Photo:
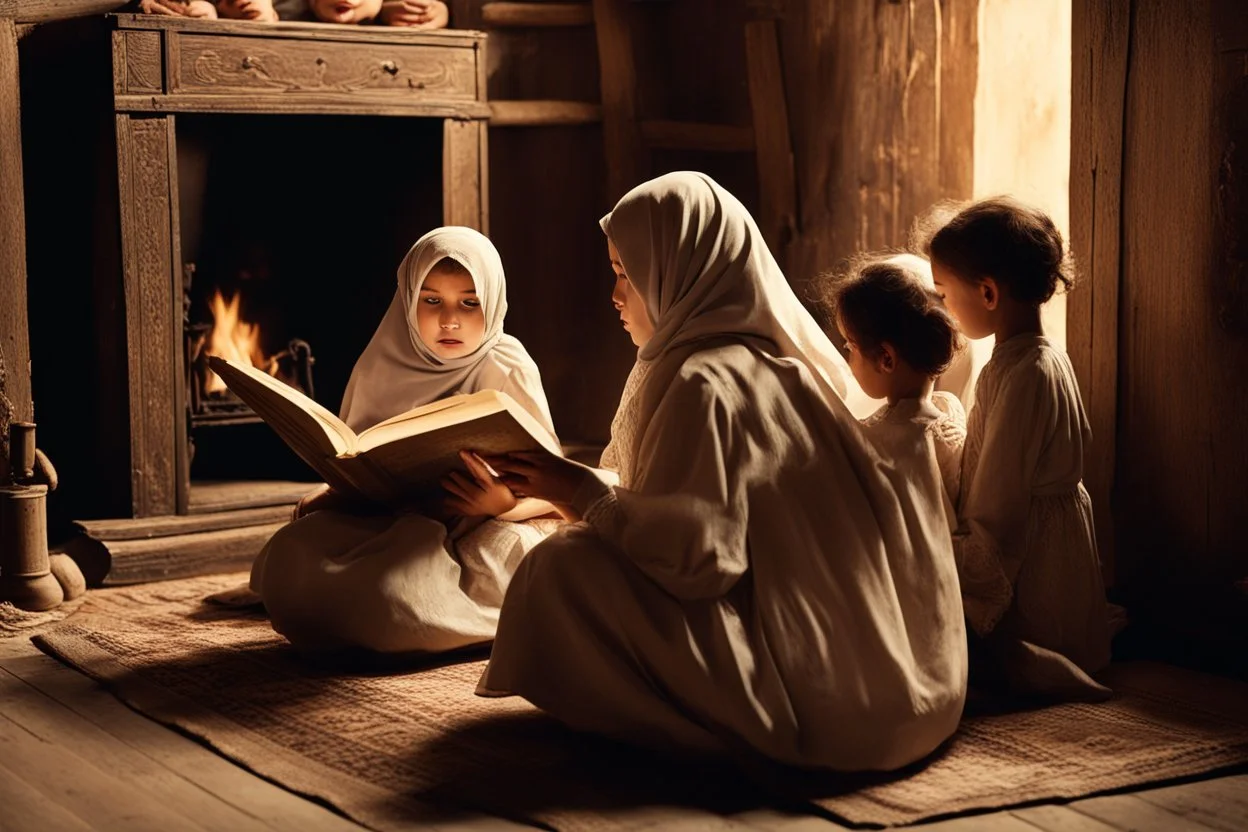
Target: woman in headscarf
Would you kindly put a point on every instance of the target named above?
(412, 582)
(761, 579)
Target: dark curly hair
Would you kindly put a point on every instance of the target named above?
(882, 301)
(1015, 244)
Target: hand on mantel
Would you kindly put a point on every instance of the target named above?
(417, 14)
(178, 8)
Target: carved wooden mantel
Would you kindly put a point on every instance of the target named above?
(163, 66)
(166, 66)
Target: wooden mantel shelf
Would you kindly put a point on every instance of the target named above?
(174, 65)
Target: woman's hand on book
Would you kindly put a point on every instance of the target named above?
(540, 474)
(477, 494)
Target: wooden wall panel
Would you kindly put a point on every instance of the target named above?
(1100, 40)
(1158, 216)
(873, 88)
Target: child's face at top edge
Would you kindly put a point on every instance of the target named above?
(873, 381)
(345, 11)
(449, 317)
(965, 301)
(629, 302)
(259, 10)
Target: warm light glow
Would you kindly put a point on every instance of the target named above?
(234, 339)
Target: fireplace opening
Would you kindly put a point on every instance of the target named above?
(292, 228)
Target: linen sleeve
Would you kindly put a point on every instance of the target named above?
(685, 523)
(992, 538)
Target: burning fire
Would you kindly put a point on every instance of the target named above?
(235, 339)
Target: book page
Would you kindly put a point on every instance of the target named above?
(296, 418)
(449, 411)
(412, 464)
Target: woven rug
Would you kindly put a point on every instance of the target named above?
(399, 746)
(18, 622)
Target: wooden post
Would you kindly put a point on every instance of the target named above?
(621, 134)
(15, 396)
(465, 174)
(772, 146)
(1100, 33)
(146, 169)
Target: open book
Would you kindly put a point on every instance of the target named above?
(400, 459)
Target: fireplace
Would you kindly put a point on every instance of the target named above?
(269, 179)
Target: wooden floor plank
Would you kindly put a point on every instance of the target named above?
(1220, 803)
(100, 799)
(1126, 811)
(276, 807)
(26, 809)
(774, 819)
(994, 822)
(53, 723)
(110, 776)
(1054, 818)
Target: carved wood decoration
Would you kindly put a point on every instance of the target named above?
(153, 332)
(224, 66)
(142, 56)
(227, 66)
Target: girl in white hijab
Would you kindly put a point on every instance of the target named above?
(337, 578)
(761, 578)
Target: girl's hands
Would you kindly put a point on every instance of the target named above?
(477, 494)
(540, 474)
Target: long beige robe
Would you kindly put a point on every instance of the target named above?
(762, 579)
(1026, 548)
(406, 583)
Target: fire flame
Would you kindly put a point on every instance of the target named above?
(235, 339)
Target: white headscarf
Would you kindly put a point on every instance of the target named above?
(696, 256)
(398, 371)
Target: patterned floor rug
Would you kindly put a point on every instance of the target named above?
(401, 745)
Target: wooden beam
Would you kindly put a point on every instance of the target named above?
(777, 187)
(314, 103)
(536, 15)
(618, 79)
(543, 113)
(38, 11)
(301, 30)
(1099, 49)
(15, 396)
(688, 135)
